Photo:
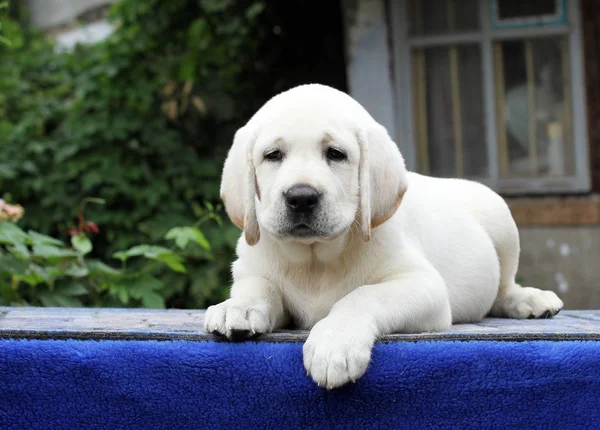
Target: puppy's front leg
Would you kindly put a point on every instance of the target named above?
(255, 307)
(338, 349)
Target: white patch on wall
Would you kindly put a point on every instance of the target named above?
(550, 243)
(561, 282)
(565, 250)
(87, 34)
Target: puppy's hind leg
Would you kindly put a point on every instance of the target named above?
(514, 301)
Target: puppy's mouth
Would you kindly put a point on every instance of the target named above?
(303, 230)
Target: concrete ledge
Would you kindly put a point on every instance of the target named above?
(145, 324)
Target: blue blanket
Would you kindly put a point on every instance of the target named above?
(88, 384)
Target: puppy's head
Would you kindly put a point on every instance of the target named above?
(309, 164)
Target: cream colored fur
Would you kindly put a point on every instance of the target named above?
(396, 251)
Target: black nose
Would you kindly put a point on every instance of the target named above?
(302, 198)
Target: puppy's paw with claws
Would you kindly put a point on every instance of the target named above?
(239, 319)
(336, 352)
(527, 302)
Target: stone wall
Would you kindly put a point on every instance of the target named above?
(565, 260)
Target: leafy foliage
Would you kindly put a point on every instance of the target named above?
(36, 269)
(134, 120)
(3, 40)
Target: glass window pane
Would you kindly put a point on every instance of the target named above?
(534, 109)
(511, 9)
(431, 17)
(448, 111)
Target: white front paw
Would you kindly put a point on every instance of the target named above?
(337, 352)
(239, 318)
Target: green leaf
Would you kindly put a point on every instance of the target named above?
(154, 252)
(65, 152)
(173, 261)
(43, 239)
(123, 255)
(77, 271)
(5, 41)
(19, 250)
(91, 179)
(72, 289)
(182, 236)
(148, 251)
(52, 253)
(138, 286)
(153, 300)
(11, 265)
(81, 243)
(254, 10)
(10, 234)
(66, 301)
(34, 275)
(51, 299)
(212, 6)
(124, 295)
(98, 268)
(7, 171)
(48, 300)
(141, 288)
(8, 293)
(55, 271)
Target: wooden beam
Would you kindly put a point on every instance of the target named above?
(420, 109)
(500, 117)
(531, 90)
(456, 111)
(567, 118)
(555, 211)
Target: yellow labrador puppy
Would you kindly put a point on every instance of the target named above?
(339, 238)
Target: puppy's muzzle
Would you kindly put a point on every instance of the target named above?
(302, 200)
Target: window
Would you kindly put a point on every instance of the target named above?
(511, 13)
(492, 90)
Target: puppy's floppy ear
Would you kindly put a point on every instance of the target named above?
(238, 185)
(382, 177)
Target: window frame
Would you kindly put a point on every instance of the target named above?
(403, 43)
(559, 18)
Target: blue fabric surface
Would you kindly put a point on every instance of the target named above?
(51, 384)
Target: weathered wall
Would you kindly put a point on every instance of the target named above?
(368, 59)
(47, 14)
(71, 22)
(565, 260)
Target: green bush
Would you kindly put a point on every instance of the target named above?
(142, 120)
(36, 269)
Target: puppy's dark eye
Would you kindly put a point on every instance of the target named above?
(335, 155)
(275, 155)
